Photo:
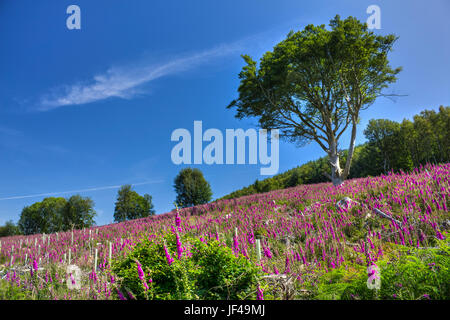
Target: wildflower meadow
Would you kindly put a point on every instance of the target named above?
(307, 242)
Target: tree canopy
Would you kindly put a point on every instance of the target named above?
(43, 217)
(130, 205)
(191, 188)
(79, 212)
(9, 229)
(57, 214)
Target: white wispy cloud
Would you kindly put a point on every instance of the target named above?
(76, 191)
(123, 81)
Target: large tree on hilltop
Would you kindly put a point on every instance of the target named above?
(314, 84)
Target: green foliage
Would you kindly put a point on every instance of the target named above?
(43, 217)
(391, 146)
(130, 205)
(314, 83)
(260, 232)
(57, 214)
(388, 144)
(10, 291)
(221, 274)
(78, 212)
(355, 230)
(9, 229)
(169, 281)
(333, 284)
(311, 172)
(410, 274)
(212, 272)
(428, 137)
(191, 188)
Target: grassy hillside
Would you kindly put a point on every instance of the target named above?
(391, 146)
(316, 242)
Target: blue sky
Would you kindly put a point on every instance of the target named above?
(85, 111)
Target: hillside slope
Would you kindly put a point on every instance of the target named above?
(307, 234)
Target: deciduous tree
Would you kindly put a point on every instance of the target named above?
(191, 188)
(314, 84)
(130, 205)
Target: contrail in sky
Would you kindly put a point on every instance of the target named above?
(76, 191)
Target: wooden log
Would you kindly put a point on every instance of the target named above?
(384, 215)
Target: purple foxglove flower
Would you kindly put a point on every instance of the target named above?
(121, 297)
(178, 222)
(287, 265)
(168, 257)
(267, 252)
(140, 272)
(259, 294)
(94, 276)
(236, 245)
(179, 248)
(35, 265)
(275, 270)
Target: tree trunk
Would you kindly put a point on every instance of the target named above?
(337, 174)
(337, 181)
(351, 149)
(336, 171)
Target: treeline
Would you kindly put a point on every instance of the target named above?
(56, 214)
(390, 146)
(59, 214)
